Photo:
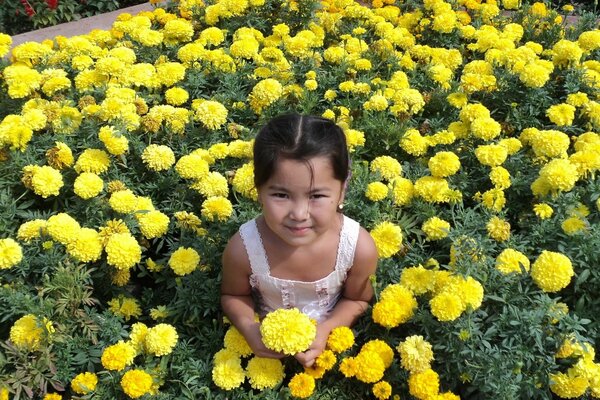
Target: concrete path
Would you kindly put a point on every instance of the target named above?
(80, 27)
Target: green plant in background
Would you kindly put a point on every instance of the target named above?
(17, 16)
(126, 166)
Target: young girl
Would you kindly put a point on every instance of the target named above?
(301, 251)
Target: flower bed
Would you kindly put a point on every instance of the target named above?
(126, 167)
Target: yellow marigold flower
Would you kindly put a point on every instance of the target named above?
(511, 260)
(46, 181)
(511, 4)
(116, 143)
(84, 383)
(536, 74)
(264, 373)
(123, 201)
(52, 396)
(589, 41)
(160, 339)
(153, 224)
(485, 128)
(435, 228)
(326, 360)
(123, 251)
(212, 114)
(26, 333)
(5, 42)
(568, 386)
(86, 246)
(382, 390)
(302, 385)
(137, 336)
(377, 102)
(288, 331)
(472, 111)
(92, 160)
(217, 207)
(10, 253)
(228, 374)
(236, 342)
(369, 366)
(88, 185)
(381, 348)
(500, 177)
(493, 199)
(417, 279)
(572, 225)
(498, 229)
(446, 306)
(60, 156)
(62, 227)
(212, 184)
(402, 191)
(560, 175)
(433, 190)
(118, 356)
(376, 191)
(552, 271)
(136, 383)
(243, 181)
(396, 306)
(444, 164)
(578, 99)
(340, 339)
(30, 230)
(457, 100)
(311, 85)
(543, 210)
(224, 355)
(126, 307)
(566, 53)
(416, 354)
(184, 260)
(158, 157)
(424, 385)
(561, 114)
(264, 93)
(491, 155)
(388, 239)
(354, 138)
(192, 166)
(159, 313)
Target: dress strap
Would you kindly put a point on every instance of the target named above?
(254, 247)
(347, 246)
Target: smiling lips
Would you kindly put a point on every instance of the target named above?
(300, 229)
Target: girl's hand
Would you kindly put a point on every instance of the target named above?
(254, 339)
(307, 358)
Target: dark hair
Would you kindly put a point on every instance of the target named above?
(299, 137)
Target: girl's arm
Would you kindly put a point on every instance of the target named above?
(236, 296)
(357, 293)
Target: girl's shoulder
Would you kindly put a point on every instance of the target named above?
(366, 251)
(235, 253)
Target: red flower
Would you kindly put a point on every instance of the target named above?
(52, 4)
(28, 9)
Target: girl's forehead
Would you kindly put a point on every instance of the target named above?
(301, 171)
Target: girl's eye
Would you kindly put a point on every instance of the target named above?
(279, 195)
(318, 196)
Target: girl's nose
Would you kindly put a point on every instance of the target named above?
(299, 210)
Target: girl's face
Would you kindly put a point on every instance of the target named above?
(299, 205)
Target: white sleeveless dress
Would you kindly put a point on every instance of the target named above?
(316, 299)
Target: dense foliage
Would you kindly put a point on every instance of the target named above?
(125, 167)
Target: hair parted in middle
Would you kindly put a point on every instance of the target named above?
(299, 137)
